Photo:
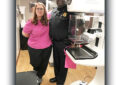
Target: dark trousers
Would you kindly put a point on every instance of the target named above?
(39, 59)
(59, 61)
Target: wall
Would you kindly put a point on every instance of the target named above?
(17, 34)
(25, 3)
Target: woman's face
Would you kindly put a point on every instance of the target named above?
(39, 10)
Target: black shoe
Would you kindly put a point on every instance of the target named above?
(52, 80)
(60, 84)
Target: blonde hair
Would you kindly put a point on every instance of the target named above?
(44, 19)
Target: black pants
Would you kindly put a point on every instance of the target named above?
(59, 61)
(39, 59)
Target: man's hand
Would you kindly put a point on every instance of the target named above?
(68, 42)
(25, 34)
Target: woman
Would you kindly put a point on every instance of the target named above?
(39, 43)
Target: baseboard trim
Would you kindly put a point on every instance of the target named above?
(17, 57)
(51, 64)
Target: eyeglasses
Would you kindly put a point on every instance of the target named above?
(39, 9)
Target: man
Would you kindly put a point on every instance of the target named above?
(59, 22)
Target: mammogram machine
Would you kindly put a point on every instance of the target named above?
(86, 30)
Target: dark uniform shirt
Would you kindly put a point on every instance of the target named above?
(59, 23)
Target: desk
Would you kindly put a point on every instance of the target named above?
(97, 62)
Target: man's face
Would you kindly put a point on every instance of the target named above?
(60, 3)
